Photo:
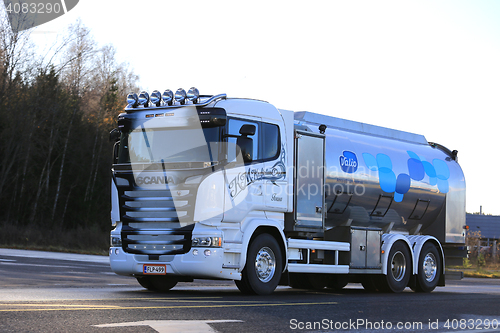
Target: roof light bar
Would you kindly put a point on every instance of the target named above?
(144, 98)
(132, 100)
(168, 97)
(156, 98)
(180, 96)
(193, 95)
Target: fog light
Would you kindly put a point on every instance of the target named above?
(195, 252)
(207, 253)
(117, 251)
(116, 241)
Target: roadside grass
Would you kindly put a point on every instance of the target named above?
(84, 240)
(472, 269)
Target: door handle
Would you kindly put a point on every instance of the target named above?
(257, 190)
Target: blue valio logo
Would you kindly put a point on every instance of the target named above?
(349, 162)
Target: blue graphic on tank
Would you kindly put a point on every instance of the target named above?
(437, 171)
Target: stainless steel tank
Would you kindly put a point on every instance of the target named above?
(379, 177)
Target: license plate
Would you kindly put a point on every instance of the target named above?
(154, 269)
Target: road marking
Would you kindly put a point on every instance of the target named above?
(82, 307)
(175, 326)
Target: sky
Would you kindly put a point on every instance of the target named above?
(427, 67)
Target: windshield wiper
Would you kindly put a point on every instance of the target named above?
(147, 142)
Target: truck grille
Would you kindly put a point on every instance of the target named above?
(156, 222)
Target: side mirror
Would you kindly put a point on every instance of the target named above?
(247, 130)
(114, 135)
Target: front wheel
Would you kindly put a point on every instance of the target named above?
(161, 283)
(262, 271)
(429, 268)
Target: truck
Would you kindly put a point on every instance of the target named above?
(211, 187)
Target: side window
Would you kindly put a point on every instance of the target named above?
(263, 144)
(235, 140)
(270, 141)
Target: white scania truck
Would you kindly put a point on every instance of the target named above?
(220, 188)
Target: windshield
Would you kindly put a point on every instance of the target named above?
(171, 145)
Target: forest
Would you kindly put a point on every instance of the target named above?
(57, 108)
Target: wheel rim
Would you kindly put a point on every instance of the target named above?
(265, 264)
(430, 267)
(398, 266)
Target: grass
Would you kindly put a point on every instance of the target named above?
(485, 270)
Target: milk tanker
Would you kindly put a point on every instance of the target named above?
(220, 188)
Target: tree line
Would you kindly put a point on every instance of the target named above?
(56, 112)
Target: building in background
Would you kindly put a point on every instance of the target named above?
(485, 230)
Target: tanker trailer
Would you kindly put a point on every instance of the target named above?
(380, 181)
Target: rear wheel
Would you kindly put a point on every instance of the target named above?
(372, 283)
(399, 269)
(262, 271)
(429, 268)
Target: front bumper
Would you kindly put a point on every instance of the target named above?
(187, 265)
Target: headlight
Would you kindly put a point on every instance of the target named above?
(206, 242)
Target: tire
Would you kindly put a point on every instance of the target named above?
(145, 282)
(429, 268)
(399, 269)
(262, 271)
(372, 283)
(308, 281)
(337, 282)
(243, 287)
(157, 283)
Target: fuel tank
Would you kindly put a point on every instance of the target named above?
(390, 179)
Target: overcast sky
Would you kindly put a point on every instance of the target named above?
(428, 67)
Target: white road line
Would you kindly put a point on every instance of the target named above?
(175, 326)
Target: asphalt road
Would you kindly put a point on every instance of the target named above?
(53, 292)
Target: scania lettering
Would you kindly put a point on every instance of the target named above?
(206, 186)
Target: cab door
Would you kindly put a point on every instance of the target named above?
(243, 172)
(273, 152)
